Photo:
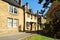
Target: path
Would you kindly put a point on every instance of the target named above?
(15, 36)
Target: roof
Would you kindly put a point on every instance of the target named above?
(12, 2)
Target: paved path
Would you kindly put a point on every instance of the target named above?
(15, 36)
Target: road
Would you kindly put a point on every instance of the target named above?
(15, 37)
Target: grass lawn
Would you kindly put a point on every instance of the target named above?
(38, 37)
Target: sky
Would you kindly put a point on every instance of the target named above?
(33, 4)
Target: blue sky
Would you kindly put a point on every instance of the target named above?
(33, 4)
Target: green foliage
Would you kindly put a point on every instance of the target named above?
(38, 37)
(47, 23)
(56, 22)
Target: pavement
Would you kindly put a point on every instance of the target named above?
(16, 36)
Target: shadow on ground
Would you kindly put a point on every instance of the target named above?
(50, 34)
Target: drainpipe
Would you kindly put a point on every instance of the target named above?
(26, 5)
(37, 20)
(24, 23)
(24, 20)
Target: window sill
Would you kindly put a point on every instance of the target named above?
(13, 14)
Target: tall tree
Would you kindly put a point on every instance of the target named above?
(45, 5)
(46, 2)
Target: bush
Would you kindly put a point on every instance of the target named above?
(47, 27)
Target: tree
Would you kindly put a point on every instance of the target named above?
(40, 1)
(45, 5)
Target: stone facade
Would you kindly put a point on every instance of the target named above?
(30, 19)
(43, 20)
(4, 15)
(26, 19)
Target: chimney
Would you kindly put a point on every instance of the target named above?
(20, 2)
(27, 5)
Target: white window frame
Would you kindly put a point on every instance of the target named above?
(13, 9)
(15, 23)
(28, 24)
(16, 9)
(9, 9)
(10, 26)
(12, 23)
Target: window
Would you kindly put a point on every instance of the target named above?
(13, 9)
(10, 23)
(27, 24)
(15, 23)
